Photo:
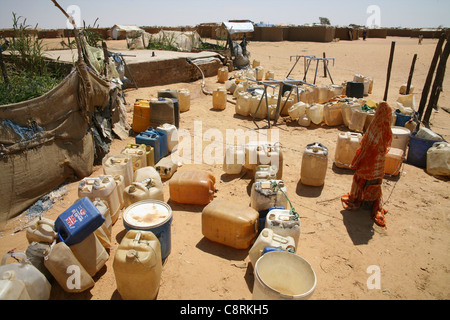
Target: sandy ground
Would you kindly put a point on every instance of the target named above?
(412, 253)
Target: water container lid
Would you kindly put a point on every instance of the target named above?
(147, 214)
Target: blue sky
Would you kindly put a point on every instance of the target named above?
(392, 13)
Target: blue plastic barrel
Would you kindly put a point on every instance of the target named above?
(417, 152)
(78, 222)
(161, 229)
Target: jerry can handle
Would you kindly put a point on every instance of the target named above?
(14, 255)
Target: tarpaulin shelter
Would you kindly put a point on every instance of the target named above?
(46, 140)
(121, 32)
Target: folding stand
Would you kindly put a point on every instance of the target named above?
(273, 84)
(325, 64)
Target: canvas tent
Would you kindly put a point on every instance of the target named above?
(120, 32)
(183, 41)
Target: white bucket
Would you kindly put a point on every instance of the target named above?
(281, 275)
(400, 137)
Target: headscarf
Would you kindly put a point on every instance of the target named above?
(370, 157)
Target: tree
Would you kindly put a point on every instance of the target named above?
(324, 20)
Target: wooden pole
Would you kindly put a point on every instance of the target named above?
(2, 65)
(324, 66)
(426, 87)
(437, 84)
(391, 58)
(411, 71)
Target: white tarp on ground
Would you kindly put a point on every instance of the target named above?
(239, 27)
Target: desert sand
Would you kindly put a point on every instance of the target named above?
(411, 253)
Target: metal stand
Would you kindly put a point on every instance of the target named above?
(325, 65)
(306, 62)
(280, 84)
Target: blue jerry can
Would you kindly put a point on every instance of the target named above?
(150, 139)
(163, 143)
(79, 221)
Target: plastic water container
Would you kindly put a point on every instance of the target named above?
(162, 111)
(281, 275)
(400, 138)
(332, 114)
(425, 133)
(222, 74)
(103, 232)
(403, 87)
(315, 113)
(269, 238)
(62, 263)
(243, 104)
(297, 110)
(408, 101)
(347, 110)
(149, 153)
(438, 159)
(261, 153)
(401, 118)
(137, 155)
(192, 187)
(357, 120)
(12, 289)
(138, 191)
(144, 174)
(323, 94)
(172, 136)
(78, 221)
(230, 223)
(314, 164)
(219, 98)
(258, 107)
(151, 139)
(137, 266)
(364, 80)
(234, 159)
(166, 168)
(417, 151)
(304, 121)
(259, 73)
(270, 74)
(285, 104)
(120, 164)
(41, 230)
(256, 63)
(167, 93)
(103, 187)
(22, 280)
(141, 115)
(154, 216)
(265, 172)
(284, 223)
(184, 99)
(354, 89)
(346, 146)
(335, 90)
(163, 142)
(91, 254)
(265, 195)
(35, 254)
(393, 161)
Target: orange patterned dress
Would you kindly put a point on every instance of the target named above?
(369, 165)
